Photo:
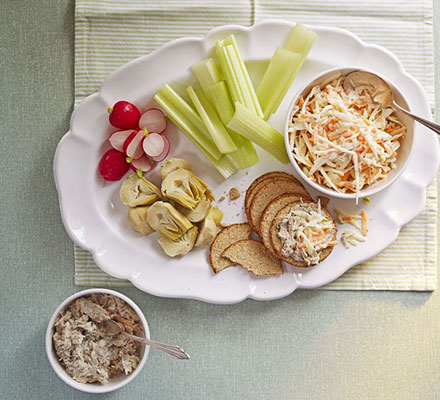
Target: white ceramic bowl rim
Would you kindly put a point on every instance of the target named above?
(371, 189)
(90, 387)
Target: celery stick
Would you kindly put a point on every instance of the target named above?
(225, 165)
(207, 73)
(236, 74)
(300, 39)
(219, 96)
(245, 156)
(278, 75)
(209, 116)
(228, 72)
(248, 124)
(230, 40)
(184, 108)
(180, 117)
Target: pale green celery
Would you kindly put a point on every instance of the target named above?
(226, 165)
(300, 39)
(207, 73)
(245, 156)
(219, 96)
(183, 120)
(250, 125)
(185, 109)
(230, 40)
(278, 76)
(228, 72)
(236, 74)
(213, 124)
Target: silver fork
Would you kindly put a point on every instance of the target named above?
(112, 327)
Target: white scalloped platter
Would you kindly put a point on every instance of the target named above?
(95, 219)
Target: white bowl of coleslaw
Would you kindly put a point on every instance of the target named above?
(342, 144)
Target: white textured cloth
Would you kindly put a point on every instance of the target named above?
(109, 33)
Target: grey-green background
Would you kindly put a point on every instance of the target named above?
(311, 345)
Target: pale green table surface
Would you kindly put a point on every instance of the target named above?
(311, 345)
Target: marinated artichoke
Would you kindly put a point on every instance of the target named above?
(173, 164)
(200, 210)
(137, 219)
(165, 219)
(184, 188)
(137, 191)
(208, 229)
(181, 246)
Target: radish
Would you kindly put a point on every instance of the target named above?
(118, 138)
(165, 151)
(124, 115)
(154, 144)
(143, 164)
(113, 165)
(133, 145)
(153, 120)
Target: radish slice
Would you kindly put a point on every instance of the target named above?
(134, 147)
(165, 151)
(153, 120)
(154, 144)
(144, 164)
(118, 138)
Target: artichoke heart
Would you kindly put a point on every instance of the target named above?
(137, 219)
(137, 191)
(200, 210)
(181, 246)
(173, 164)
(184, 188)
(208, 229)
(165, 219)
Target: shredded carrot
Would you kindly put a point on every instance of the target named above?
(364, 229)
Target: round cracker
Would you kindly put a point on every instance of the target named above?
(270, 213)
(276, 242)
(228, 235)
(269, 191)
(254, 186)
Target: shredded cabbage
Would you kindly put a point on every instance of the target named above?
(304, 231)
(343, 140)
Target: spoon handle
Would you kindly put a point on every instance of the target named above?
(173, 350)
(429, 124)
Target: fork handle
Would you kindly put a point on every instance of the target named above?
(429, 124)
(173, 350)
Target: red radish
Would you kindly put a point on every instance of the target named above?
(118, 138)
(153, 120)
(128, 141)
(165, 151)
(124, 115)
(133, 145)
(143, 164)
(154, 144)
(113, 165)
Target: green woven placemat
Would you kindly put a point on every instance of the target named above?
(110, 33)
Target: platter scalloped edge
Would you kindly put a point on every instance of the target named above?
(89, 226)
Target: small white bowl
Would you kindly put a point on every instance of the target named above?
(406, 142)
(114, 383)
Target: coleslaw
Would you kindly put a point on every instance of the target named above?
(344, 140)
(304, 231)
